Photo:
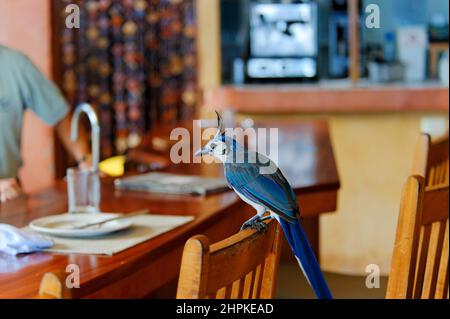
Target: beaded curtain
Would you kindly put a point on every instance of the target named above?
(134, 61)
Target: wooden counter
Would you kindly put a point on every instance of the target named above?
(328, 96)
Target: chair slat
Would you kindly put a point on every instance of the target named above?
(430, 176)
(439, 252)
(236, 290)
(442, 278)
(256, 283)
(228, 291)
(446, 178)
(248, 286)
(433, 260)
(437, 174)
(221, 293)
(413, 284)
(270, 268)
(442, 173)
(422, 262)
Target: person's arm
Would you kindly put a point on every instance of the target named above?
(43, 97)
(79, 149)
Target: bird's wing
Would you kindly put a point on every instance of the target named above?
(270, 190)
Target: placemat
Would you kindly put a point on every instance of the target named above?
(144, 228)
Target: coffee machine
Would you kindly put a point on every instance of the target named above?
(282, 41)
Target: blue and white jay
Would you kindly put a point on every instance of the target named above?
(266, 192)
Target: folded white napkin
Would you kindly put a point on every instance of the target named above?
(14, 241)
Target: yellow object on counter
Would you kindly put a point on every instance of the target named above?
(113, 166)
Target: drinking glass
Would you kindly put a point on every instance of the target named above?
(83, 190)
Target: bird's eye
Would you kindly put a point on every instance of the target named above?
(213, 146)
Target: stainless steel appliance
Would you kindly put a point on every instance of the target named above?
(283, 40)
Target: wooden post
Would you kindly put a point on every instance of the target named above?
(208, 43)
(354, 40)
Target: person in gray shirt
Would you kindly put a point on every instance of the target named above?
(24, 87)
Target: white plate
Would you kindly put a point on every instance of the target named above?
(62, 225)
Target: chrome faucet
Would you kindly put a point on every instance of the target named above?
(95, 130)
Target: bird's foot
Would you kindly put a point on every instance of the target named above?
(255, 223)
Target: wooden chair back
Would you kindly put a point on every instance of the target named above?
(431, 160)
(244, 265)
(420, 260)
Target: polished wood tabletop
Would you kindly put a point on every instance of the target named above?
(338, 96)
(305, 156)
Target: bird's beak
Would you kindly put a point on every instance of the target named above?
(201, 152)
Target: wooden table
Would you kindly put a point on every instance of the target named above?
(144, 269)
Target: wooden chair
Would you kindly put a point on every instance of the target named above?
(53, 286)
(420, 260)
(244, 265)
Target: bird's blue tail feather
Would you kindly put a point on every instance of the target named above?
(301, 247)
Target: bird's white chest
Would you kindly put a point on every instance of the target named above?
(256, 206)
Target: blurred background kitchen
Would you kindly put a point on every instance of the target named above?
(315, 37)
(379, 77)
